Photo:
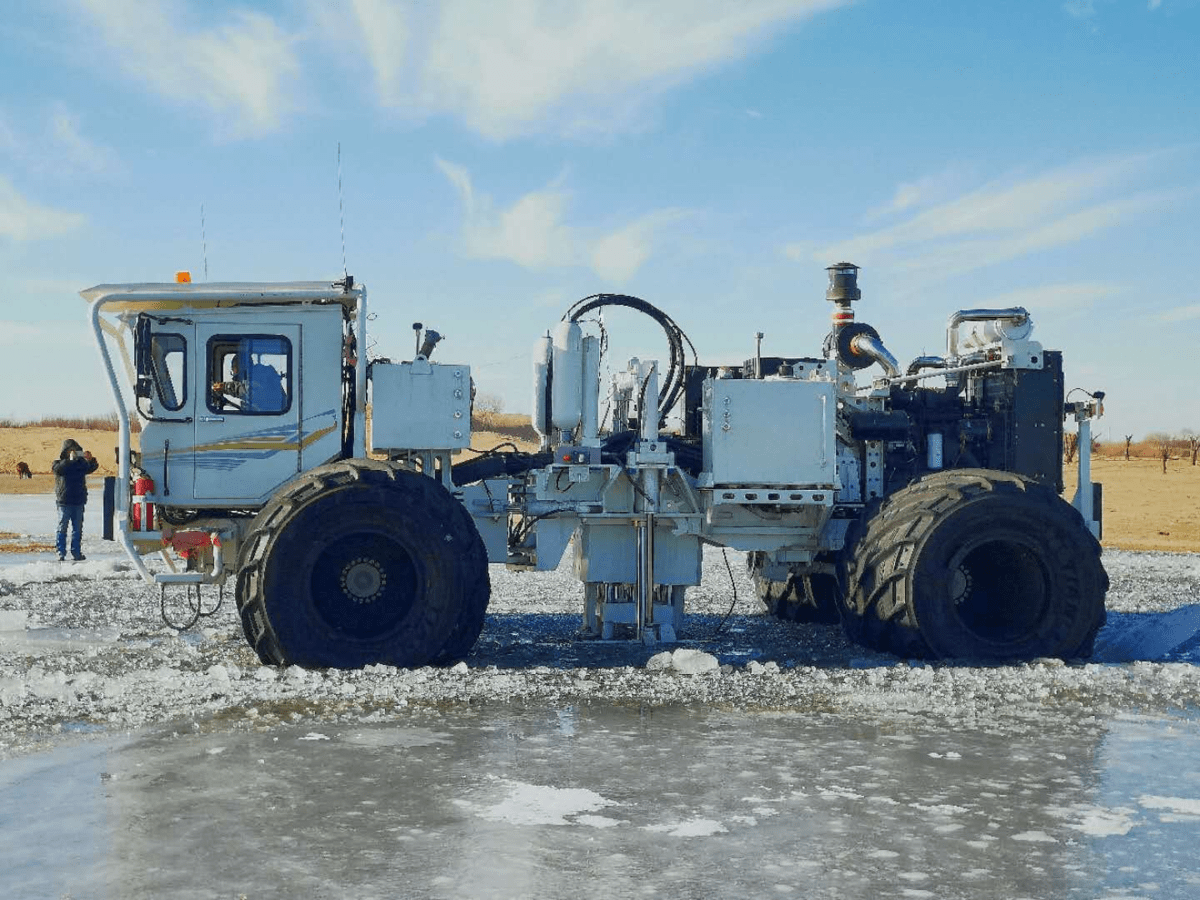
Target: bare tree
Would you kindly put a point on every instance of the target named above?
(1193, 442)
(489, 403)
(1162, 443)
(1128, 441)
(1070, 445)
(486, 409)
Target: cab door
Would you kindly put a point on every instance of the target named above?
(248, 410)
(165, 353)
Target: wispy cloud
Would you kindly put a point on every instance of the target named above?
(533, 232)
(74, 148)
(1004, 220)
(1080, 9)
(14, 334)
(618, 256)
(242, 71)
(23, 220)
(1064, 297)
(924, 191)
(530, 232)
(538, 66)
(57, 144)
(1187, 313)
(505, 69)
(385, 31)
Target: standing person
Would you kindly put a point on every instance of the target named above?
(71, 469)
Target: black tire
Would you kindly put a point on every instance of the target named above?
(978, 564)
(788, 600)
(360, 562)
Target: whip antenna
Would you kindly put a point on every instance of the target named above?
(203, 243)
(341, 209)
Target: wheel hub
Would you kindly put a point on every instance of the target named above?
(363, 580)
(960, 585)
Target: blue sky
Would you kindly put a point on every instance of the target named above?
(501, 160)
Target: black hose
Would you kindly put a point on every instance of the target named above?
(673, 382)
(689, 457)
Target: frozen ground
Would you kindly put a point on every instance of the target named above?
(802, 764)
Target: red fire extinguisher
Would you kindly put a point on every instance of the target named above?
(141, 513)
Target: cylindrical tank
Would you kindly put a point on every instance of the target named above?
(141, 512)
(541, 377)
(991, 331)
(566, 381)
(591, 390)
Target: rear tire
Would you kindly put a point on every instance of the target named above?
(789, 600)
(979, 564)
(357, 563)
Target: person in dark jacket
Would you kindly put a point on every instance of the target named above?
(71, 469)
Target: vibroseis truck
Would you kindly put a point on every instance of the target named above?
(922, 510)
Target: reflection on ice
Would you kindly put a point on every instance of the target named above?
(617, 802)
(1149, 636)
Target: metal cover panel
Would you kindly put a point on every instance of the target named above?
(770, 432)
(420, 406)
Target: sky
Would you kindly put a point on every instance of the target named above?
(481, 166)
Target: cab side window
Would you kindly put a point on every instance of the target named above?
(249, 374)
(168, 357)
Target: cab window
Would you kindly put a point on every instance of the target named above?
(168, 356)
(249, 374)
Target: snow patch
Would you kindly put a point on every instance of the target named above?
(535, 804)
(1099, 822)
(1187, 806)
(690, 828)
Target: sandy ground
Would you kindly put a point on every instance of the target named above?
(1144, 509)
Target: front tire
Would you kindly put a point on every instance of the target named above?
(977, 564)
(358, 563)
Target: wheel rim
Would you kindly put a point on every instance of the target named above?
(999, 589)
(364, 585)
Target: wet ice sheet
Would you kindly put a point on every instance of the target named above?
(617, 802)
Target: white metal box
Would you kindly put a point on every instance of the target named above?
(771, 432)
(420, 406)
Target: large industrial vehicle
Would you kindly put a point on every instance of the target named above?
(922, 509)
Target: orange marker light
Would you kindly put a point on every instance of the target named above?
(183, 277)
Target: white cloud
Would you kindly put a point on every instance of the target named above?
(60, 148)
(1080, 9)
(533, 233)
(241, 71)
(385, 29)
(534, 66)
(530, 233)
(922, 192)
(77, 150)
(618, 256)
(1006, 219)
(1186, 313)
(23, 220)
(15, 334)
(1072, 296)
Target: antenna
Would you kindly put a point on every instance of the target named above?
(203, 242)
(341, 209)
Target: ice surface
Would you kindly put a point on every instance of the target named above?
(1040, 779)
(501, 802)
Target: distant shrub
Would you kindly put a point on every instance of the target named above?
(106, 422)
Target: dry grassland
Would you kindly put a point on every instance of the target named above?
(1143, 508)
